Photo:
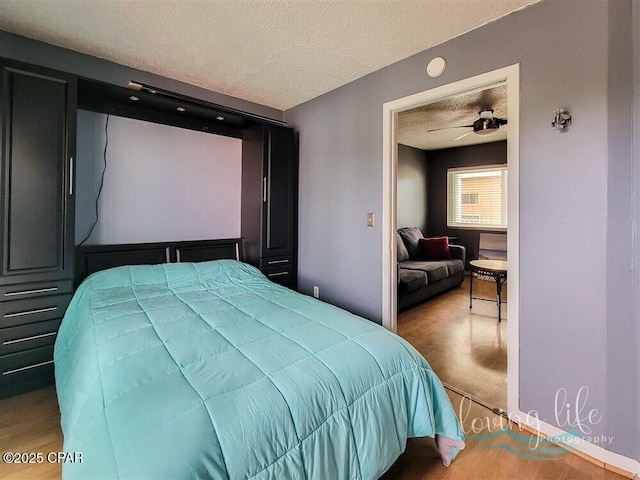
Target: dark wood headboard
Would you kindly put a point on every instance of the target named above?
(94, 258)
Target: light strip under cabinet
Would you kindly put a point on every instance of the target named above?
(139, 86)
(26, 339)
(28, 367)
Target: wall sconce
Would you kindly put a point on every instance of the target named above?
(561, 120)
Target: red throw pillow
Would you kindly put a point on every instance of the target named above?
(435, 248)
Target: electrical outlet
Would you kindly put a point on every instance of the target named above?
(316, 291)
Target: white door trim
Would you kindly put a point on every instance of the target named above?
(510, 75)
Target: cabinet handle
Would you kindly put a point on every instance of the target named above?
(279, 274)
(70, 175)
(28, 292)
(16, 370)
(237, 252)
(26, 339)
(30, 312)
(166, 255)
(274, 262)
(264, 189)
(178, 255)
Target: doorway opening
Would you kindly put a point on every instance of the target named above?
(509, 78)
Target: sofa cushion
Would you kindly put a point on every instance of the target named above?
(435, 270)
(412, 280)
(402, 254)
(458, 251)
(411, 237)
(435, 248)
(454, 266)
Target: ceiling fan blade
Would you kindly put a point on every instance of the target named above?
(446, 128)
(463, 135)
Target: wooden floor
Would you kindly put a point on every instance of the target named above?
(489, 459)
(467, 348)
(31, 423)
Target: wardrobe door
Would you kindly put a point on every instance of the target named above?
(37, 128)
(37, 121)
(280, 183)
(269, 201)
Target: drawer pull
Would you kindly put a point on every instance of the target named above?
(70, 175)
(26, 339)
(279, 274)
(274, 262)
(29, 292)
(264, 189)
(22, 369)
(30, 312)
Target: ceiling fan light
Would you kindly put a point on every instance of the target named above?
(487, 132)
(485, 126)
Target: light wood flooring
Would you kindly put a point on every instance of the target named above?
(31, 423)
(467, 348)
(487, 460)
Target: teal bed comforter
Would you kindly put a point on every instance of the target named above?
(209, 370)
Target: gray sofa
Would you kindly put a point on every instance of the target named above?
(419, 279)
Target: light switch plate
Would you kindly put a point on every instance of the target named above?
(371, 219)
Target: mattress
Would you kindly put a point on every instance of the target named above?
(209, 370)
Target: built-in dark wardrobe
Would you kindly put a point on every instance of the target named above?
(38, 129)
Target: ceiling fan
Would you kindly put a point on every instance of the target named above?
(487, 124)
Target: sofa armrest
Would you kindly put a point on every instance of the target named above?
(458, 252)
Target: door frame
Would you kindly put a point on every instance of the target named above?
(509, 75)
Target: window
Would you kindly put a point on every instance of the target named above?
(471, 218)
(477, 197)
(469, 198)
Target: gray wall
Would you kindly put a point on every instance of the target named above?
(412, 188)
(439, 162)
(620, 212)
(31, 51)
(570, 334)
(161, 184)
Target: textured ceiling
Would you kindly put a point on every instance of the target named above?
(278, 53)
(414, 125)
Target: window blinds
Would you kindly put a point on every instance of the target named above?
(477, 197)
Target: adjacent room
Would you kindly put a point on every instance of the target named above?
(452, 200)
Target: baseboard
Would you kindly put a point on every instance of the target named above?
(625, 466)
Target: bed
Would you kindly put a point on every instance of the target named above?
(209, 370)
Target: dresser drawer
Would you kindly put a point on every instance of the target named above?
(39, 309)
(275, 261)
(281, 274)
(31, 335)
(22, 366)
(22, 291)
